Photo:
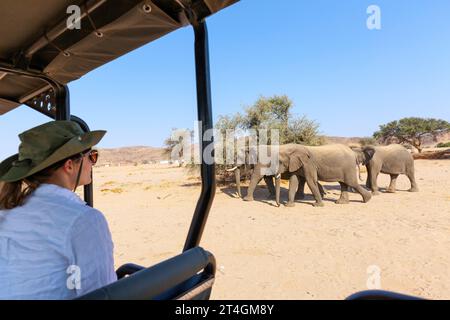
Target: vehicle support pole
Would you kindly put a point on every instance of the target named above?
(63, 113)
(204, 111)
(62, 103)
(88, 189)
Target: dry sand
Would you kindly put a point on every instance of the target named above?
(265, 252)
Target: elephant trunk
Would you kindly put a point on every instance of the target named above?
(277, 189)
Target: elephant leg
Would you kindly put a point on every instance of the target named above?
(366, 195)
(293, 186)
(411, 176)
(374, 172)
(255, 179)
(237, 174)
(300, 195)
(343, 199)
(321, 189)
(392, 186)
(368, 180)
(312, 182)
(277, 189)
(270, 186)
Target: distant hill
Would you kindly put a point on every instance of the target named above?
(342, 140)
(131, 155)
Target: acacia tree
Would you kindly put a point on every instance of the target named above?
(266, 113)
(412, 130)
(274, 113)
(302, 130)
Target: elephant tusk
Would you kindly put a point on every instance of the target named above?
(232, 169)
(278, 176)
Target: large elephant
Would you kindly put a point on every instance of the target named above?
(393, 159)
(330, 163)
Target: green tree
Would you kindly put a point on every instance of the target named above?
(266, 113)
(412, 130)
(274, 113)
(269, 113)
(230, 123)
(302, 130)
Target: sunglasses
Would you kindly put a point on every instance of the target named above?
(92, 155)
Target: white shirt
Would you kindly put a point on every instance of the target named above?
(54, 247)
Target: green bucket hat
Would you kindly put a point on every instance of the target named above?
(45, 145)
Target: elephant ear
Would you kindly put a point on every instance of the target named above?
(369, 152)
(360, 156)
(296, 161)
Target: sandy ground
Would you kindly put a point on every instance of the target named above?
(265, 252)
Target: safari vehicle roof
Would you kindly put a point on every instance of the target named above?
(34, 37)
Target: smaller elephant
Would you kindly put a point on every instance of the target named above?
(244, 170)
(284, 168)
(393, 159)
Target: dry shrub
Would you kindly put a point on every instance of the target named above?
(115, 190)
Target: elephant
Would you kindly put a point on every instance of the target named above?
(330, 163)
(286, 154)
(393, 159)
(268, 179)
(244, 169)
(248, 154)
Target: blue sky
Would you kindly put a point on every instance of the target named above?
(319, 53)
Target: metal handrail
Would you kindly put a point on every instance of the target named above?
(204, 112)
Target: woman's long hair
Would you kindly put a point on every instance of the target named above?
(13, 194)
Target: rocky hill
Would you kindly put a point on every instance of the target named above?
(131, 156)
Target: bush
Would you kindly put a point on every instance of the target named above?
(443, 145)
